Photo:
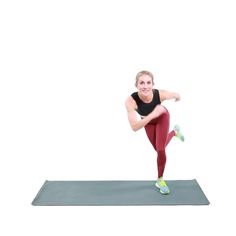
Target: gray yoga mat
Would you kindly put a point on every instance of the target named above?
(118, 193)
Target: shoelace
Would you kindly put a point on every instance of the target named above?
(162, 183)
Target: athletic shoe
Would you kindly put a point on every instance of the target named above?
(161, 184)
(178, 133)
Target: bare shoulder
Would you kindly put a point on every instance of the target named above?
(130, 104)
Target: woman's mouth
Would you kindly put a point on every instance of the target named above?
(146, 90)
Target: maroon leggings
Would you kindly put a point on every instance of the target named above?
(157, 131)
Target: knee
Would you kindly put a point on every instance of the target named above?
(161, 155)
(165, 111)
(161, 150)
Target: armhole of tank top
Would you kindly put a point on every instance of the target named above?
(157, 95)
(137, 98)
(134, 98)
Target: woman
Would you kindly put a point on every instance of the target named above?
(155, 119)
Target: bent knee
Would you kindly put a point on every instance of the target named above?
(163, 110)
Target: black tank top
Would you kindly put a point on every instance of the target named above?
(145, 108)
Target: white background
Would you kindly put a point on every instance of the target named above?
(66, 68)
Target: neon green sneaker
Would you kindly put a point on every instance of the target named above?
(161, 184)
(178, 133)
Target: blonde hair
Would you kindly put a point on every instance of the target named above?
(143, 72)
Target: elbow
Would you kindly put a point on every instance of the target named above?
(134, 128)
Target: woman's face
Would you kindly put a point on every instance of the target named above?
(145, 85)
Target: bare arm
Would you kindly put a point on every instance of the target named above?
(166, 95)
(132, 117)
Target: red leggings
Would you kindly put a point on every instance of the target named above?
(157, 131)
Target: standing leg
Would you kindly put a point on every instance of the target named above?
(157, 132)
(162, 130)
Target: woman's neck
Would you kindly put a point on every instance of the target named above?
(146, 99)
